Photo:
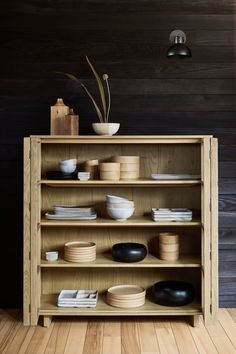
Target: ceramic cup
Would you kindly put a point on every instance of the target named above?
(52, 256)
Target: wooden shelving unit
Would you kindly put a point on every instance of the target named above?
(159, 154)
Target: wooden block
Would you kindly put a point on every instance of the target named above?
(58, 113)
(47, 321)
(70, 124)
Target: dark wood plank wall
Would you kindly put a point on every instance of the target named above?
(150, 94)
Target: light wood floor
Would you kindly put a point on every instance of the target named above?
(114, 336)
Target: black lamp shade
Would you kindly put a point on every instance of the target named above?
(179, 50)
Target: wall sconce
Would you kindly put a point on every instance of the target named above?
(178, 48)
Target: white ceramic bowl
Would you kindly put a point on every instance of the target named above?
(124, 205)
(114, 199)
(120, 214)
(106, 128)
(67, 168)
(68, 162)
(52, 256)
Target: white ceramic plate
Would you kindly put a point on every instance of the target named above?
(159, 176)
(52, 216)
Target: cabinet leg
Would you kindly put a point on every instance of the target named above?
(47, 321)
(194, 320)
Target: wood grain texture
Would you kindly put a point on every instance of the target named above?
(58, 339)
(165, 336)
(111, 337)
(183, 337)
(94, 337)
(171, 336)
(76, 337)
(148, 339)
(130, 342)
(27, 233)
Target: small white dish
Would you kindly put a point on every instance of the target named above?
(83, 176)
(52, 256)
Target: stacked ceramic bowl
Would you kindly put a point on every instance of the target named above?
(129, 166)
(68, 166)
(80, 251)
(119, 208)
(126, 296)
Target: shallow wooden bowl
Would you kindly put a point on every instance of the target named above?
(126, 291)
(129, 175)
(110, 176)
(109, 166)
(126, 159)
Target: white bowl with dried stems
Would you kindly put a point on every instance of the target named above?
(103, 127)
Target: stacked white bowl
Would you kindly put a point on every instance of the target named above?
(119, 208)
(68, 166)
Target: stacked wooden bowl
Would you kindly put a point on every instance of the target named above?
(80, 251)
(109, 171)
(168, 246)
(92, 167)
(126, 296)
(129, 166)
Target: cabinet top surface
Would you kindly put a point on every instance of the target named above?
(129, 139)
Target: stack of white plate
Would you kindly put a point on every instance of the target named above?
(71, 212)
(171, 214)
(77, 298)
(80, 251)
(126, 296)
(172, 176)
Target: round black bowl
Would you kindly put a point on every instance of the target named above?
(173, 293)
(129, 252)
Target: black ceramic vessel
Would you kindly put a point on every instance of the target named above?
(129, 252)
(173, 293)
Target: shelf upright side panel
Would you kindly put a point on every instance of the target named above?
(35, 229)
(214, 227)
(26, 242)
(206, 235)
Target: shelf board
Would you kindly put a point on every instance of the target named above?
(49, 307)
(135, 183)
(106, 261)
(145, 221)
